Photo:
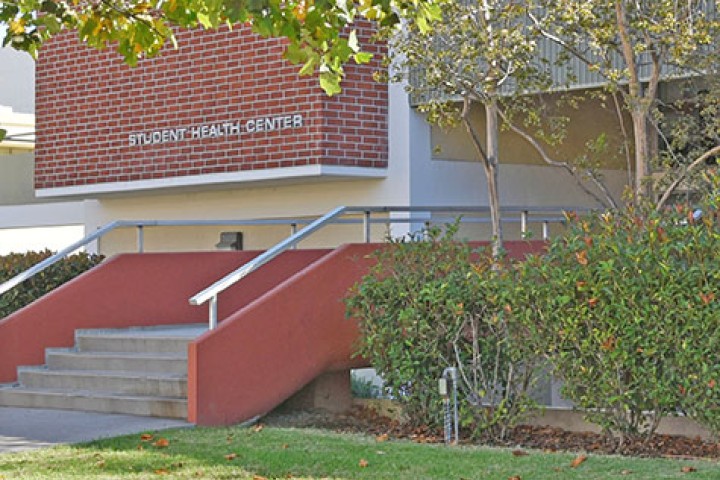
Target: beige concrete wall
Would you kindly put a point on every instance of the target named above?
(16, 178)
(590, 118)
(296, 201)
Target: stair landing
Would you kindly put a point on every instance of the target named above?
(135, 371)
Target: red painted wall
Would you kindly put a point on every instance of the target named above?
(262, 354)
(88, 102)
(134, 290)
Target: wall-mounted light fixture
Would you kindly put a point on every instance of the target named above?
(230, 241)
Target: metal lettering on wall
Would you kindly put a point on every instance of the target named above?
(216, 130)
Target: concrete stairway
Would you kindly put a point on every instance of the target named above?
(140, 371)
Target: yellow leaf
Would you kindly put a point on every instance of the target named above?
(363, 463)
(382, 438)
(17, 27)
(161, 471)
(578, 461)
(162, 443)
(258, 427)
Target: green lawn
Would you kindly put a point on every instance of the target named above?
(313, 454)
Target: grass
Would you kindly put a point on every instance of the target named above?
(248, 453)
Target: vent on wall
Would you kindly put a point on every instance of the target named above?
(230, 241)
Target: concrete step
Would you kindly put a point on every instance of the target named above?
(170, 339)
(136, 371)
(125, 383)
(68, 359)
(19, 396)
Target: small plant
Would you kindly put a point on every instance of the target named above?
(42, 283)
(362, 387)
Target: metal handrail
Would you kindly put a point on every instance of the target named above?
(140, 225)
(39, 267)
(211, 293)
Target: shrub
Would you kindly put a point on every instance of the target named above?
(626, 308)
(45, 281)
(362, 387)
(429, 305)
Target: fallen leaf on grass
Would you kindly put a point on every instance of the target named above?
(258, 427)
(578, 461)
(363, 463)
(259, 477)
(162, 443)
(519, 453)
(285, 446)
(161, 471)
(100, 464)
(231, 456)
(140, 447)
(146, 437)
(626, 472)
(688, 469)
(516, 477)
(382, 438)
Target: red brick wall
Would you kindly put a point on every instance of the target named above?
(89, 102)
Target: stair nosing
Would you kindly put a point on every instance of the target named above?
(87, 394)
(106, 354)
(133, 374)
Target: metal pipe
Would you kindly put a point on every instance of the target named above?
(213, 320)
(451, 372)
(366, 226)
(140, 238)
(524, 223)
(546, 230)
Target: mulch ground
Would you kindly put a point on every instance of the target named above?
(366, 421)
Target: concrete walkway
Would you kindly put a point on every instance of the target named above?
(29, 428)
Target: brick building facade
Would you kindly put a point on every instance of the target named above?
(224, 102)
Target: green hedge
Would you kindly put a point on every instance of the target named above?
(429, 305)
(43, 282)
(626, 307)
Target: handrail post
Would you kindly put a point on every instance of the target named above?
(140, 239)
(524, 223)
(293, 231)
(213, 321)
(366, 226)
(546, 230)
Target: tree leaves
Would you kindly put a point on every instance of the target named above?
(318, 34)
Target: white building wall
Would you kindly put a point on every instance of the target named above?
(17, 80)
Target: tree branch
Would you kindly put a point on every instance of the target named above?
(626, 137)
(700, 160)
(609, 200)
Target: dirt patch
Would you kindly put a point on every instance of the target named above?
(366, 421)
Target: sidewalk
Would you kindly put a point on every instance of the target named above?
(29, 428)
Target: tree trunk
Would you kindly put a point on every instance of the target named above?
(642, 152)
(492, 129)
